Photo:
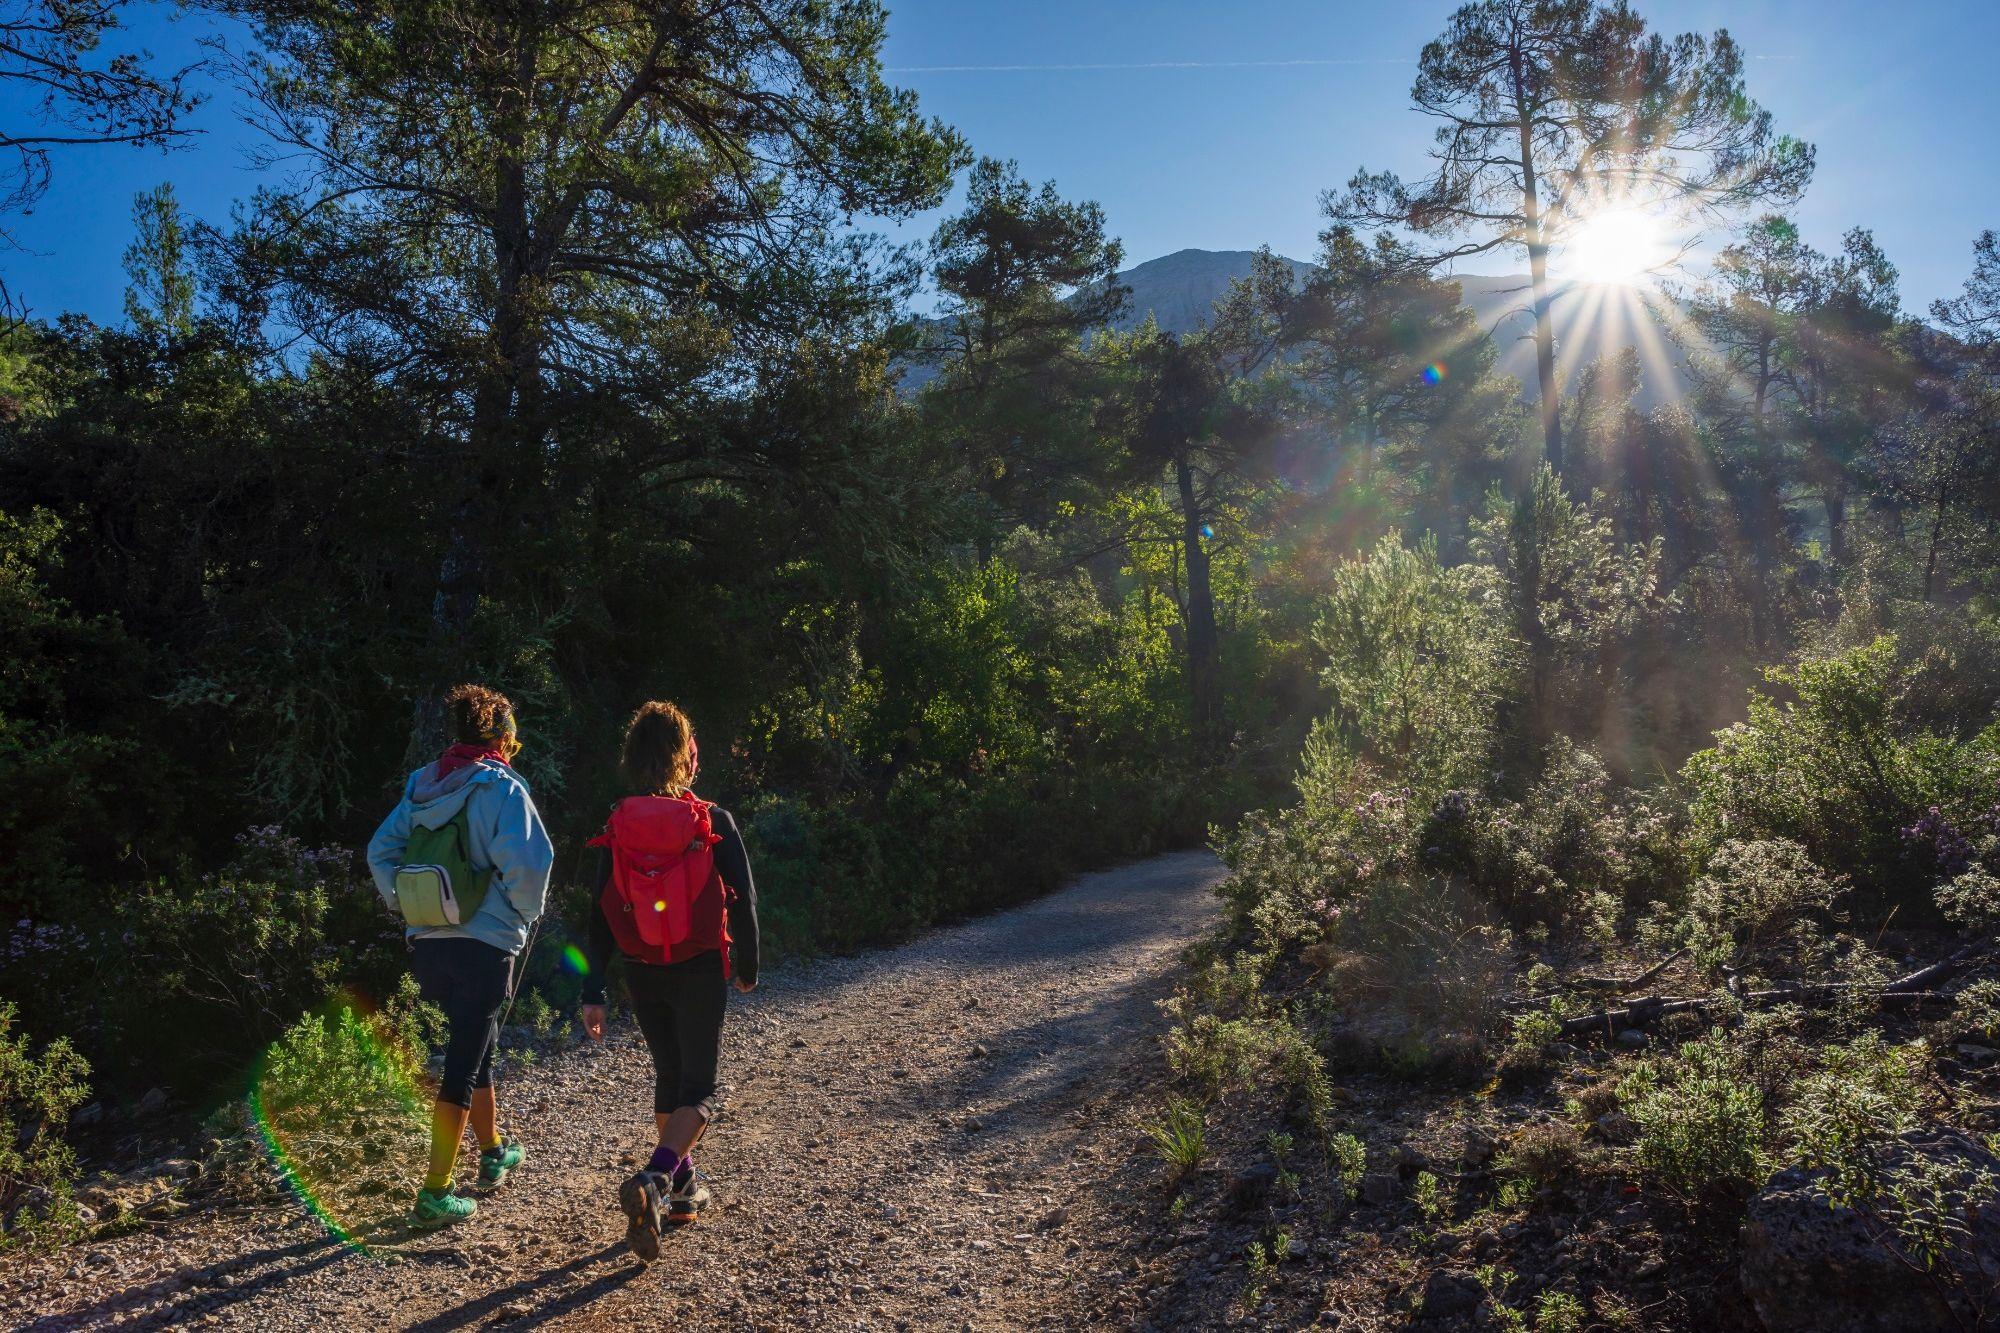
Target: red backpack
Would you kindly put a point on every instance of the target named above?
(666, 901)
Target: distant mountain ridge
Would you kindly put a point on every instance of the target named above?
(1180, 290)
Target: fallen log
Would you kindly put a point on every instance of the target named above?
(1911, 988)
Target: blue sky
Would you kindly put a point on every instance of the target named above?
(1199, 151)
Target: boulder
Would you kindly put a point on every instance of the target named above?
(1449, 1295)
(1254, 1185)
(1809, 1266)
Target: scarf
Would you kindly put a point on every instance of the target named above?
(464, 756)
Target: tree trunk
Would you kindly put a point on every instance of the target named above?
(1545, 355)
(1937, 539)
(1538, 274)
(1204, 679)
(1835, 499)
(503, 389)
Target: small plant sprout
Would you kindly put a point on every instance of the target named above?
(1180, 1139)
(1430, 1198)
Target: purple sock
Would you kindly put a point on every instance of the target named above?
(665, 1161)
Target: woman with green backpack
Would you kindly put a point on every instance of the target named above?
(465, 860)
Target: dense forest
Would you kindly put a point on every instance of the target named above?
(563, 360)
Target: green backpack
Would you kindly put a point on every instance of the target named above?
(437, 884)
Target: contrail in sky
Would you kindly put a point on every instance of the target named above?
(1148, 64)
(1157, 64)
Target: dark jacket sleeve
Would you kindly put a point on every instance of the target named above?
(734, 863)
(599, 946)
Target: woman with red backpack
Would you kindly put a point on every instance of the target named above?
(676, 900)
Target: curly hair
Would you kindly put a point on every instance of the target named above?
(478, 714)
(658, 758)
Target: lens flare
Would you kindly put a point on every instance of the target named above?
(660, 906)
(574, 960)
(1208, 532)
(1435, 373)
(352, 1161)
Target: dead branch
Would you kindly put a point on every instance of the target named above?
(1620, 985)
(1911, 988)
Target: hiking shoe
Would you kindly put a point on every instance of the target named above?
(497, 1161)
(684, 1205)
(438, 1208)
(639, 1196)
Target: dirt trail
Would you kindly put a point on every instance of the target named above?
(938, 1136)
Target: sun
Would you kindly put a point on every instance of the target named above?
(1618, 245)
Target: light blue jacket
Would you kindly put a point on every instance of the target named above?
(507, 834)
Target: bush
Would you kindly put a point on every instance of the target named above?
(1972, 900)
(1566, 856)
(1347, 1160)
(181, 981)
(1863, 1095)
(342, 1100)
(1758, 904)
(37, 1168)
(1700, 1122)
(1415, 662)
(1842, 770)
(1418, 971)
(1294, 877)
(1228, 1036)
(1546, 1152)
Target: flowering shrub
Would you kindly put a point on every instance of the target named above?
(1845, 771)
(227, 959)
(1934, 845)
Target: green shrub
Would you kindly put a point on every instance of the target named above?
(1758, 904)
(1842, 769)
(1700, 1122)
(1566, 856)
(1546, 1152)
(1417, 972)
(1416, 663)
(1844, 1113)
(1347, 1160)
(227, 961)
(343, 1098)
(1558, 1312)
(1972, 900)
(1930, 1205)
(37, 1167)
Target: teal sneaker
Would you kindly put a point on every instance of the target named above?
(439, 1208)
(496, 1162)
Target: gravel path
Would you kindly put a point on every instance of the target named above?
(939, 1136)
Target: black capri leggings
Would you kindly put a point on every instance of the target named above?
(467, 979)
(679, 1008)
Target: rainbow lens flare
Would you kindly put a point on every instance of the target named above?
(1435, 373)
(574, 960)
(343, 1115)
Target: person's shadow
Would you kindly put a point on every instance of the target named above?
(274, 1267)
(560, 1303)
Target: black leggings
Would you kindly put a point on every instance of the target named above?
(467, 979)
(679, 1008)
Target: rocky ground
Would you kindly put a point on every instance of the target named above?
(947, 1135)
